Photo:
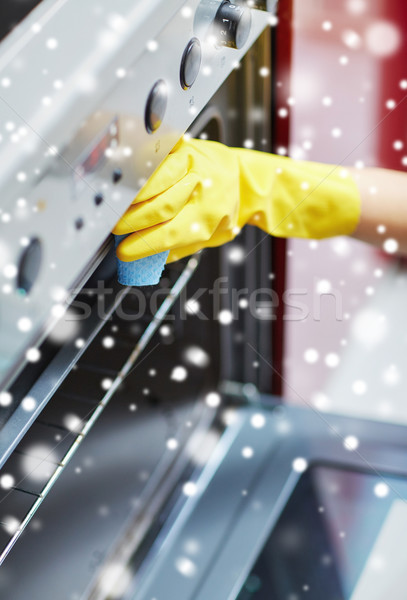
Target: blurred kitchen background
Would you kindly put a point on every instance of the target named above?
(346, 103)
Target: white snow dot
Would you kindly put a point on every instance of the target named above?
(33, 355)
(258, 421)
(165, 330)
(381, 229)
(247, 452)
(213, 399)
(382, 38)
(404, 161)
(327, 25)
(327, 101)
(300, 465)
(236, 254)
(106, 383)
(6, 82)
(121, 73)
(58, 84)
(172, 444)
(248, 143)
(72, 422)
(324, 286)
(403, 84)
(21, 176)
(390, 104)
(185, 567)
(7, 481)
(52, 43)
(351, 443)
(79, 343)
(24, 324)
(5, 399)
(398, 145)
(356, 7)
(152, 45)
(391, 246)
(332, 360)
(108, 342)
(336, 132)
(311, 356)
(10, 271)
(186, 12)
(264, 71)
(381, 490)
(283, 112)
(320, 401)
(36, 27)
(46, 101)
(10, 524)
(343, 60)
(225, 317)
(391, 375)
(359, 387)
(351, 39)
(189, 489)
(29, 403)
(58, 310)
(179, 373)
(197, 356)
(192, 306)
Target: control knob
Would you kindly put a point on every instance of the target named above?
(231, 25)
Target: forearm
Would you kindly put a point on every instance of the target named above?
(383, 206)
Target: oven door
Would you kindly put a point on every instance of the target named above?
(124, 408)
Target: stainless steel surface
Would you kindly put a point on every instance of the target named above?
(86, 102)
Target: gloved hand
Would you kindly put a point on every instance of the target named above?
(205, 192)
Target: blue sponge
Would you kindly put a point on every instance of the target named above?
(145, 271)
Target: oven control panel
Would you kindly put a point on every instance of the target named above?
(104, 108)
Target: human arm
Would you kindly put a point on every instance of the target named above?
(383, 217)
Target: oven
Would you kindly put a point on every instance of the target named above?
(143, 455)
(111, 401)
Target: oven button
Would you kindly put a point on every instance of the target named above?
(29, 266)
(232, 25)
(156, 106)
(190, 63)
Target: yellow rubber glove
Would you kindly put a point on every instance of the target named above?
(205, 192)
